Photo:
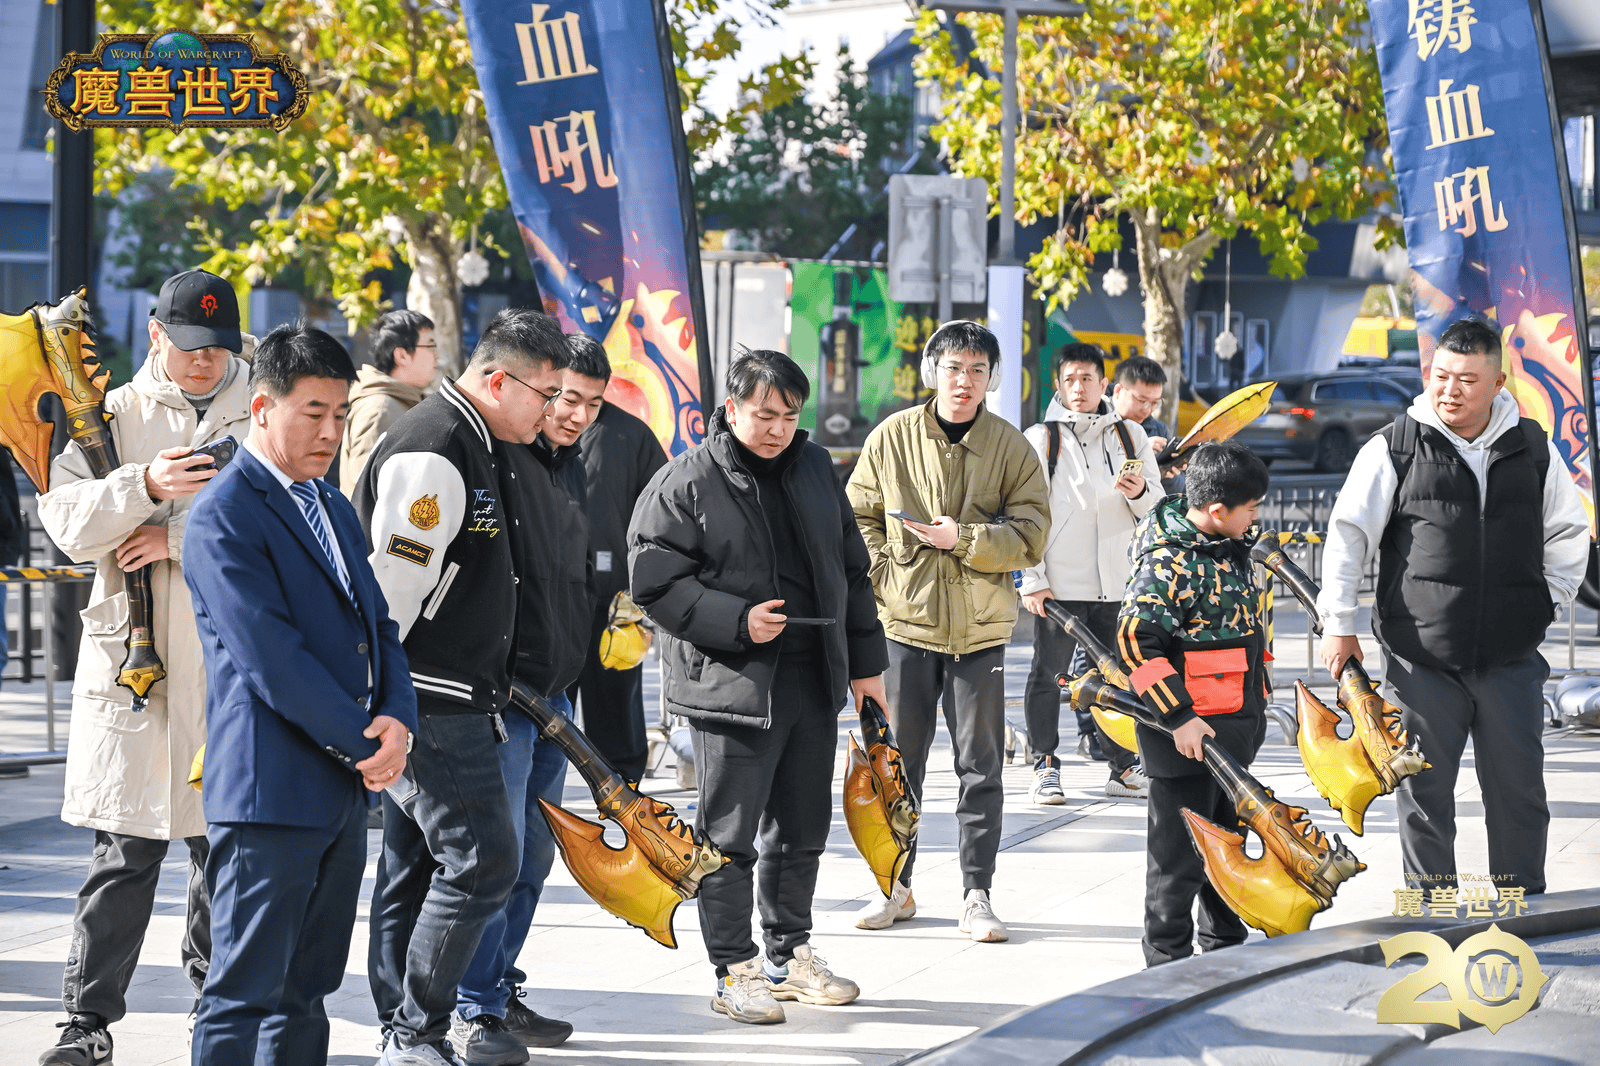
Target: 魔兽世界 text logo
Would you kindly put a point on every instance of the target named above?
(176, 79)
(1492, 977)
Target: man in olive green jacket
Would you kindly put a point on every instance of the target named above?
(974, 506)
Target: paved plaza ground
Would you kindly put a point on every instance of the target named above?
(1069, 883)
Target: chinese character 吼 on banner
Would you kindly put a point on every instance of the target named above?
(1460, 195)
(554, 161)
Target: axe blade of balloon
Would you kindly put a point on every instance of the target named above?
(1349, 772)
(1300, 869)
(1222, 420)
(661, 862)
(879, 809)
(47, 351)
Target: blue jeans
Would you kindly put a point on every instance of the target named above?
(448, 863)
(5, 639)
(534, 769)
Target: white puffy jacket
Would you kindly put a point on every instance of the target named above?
(1091, 523)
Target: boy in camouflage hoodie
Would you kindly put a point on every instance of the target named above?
(1194, 647)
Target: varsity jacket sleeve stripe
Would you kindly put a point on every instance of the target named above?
(409, 538)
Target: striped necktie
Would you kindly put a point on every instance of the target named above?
(305, 494)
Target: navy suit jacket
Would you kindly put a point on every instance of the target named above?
(286, 652)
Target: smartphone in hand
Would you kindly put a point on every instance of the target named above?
(1130, 466)
(905, 517)
(221, 451)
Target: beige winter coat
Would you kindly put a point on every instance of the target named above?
(962, 600)
(127, 772)
(376, 400)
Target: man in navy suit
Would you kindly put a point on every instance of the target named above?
(309, 708)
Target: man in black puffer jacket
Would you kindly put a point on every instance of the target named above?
(732, 544)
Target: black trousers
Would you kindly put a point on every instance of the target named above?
(1502, 710)
(972, 689)
(113, 913)
(1052, 655)
(611, 703)
(777, 782)
(1175, 875)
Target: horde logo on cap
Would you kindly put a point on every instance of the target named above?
(208, 304)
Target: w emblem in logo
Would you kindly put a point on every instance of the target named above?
(208, 304)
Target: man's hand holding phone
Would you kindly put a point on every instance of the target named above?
(1130, 480)
(765, 623)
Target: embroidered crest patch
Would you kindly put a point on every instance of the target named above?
(425, 512)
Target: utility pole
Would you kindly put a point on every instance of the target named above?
(1006, 274)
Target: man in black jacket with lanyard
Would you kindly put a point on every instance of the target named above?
(441, 508)
(739, 549)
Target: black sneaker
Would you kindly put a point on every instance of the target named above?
(532, 1029)
(84, 1042)
(484, 1041)
(1089, 747)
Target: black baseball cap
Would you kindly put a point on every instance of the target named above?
(199, 310)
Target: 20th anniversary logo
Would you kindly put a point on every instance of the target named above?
(1492, 978)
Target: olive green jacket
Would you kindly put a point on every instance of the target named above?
(962, 600)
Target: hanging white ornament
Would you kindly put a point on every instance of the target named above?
(1300, 168)
(1115, 280)
(472, 268)
(1226, 345)
(394, 227)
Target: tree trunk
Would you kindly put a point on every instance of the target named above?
(1164, 275)
(435, 290)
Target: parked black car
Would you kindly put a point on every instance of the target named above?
(1326, 417)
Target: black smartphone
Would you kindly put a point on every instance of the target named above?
(905, 517)
(221, 451)
(809, 621)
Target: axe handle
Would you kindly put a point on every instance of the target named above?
(1269, 553)
(1079, 630)
(602, 780)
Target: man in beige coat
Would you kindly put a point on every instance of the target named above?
(127, 771)
(403, 367)
(951, 499)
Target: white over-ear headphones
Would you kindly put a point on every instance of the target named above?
(930, 369)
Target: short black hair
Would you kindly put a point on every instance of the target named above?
(290, 353)
(587, 357)
(1078, 352)
(1140, 370)
(1225, 472)
(1469, 336)
(517, 338)
(754, 368)
(397, 329)
(959, 336)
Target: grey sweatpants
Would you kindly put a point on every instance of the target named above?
(973, 690)
(1502, 710)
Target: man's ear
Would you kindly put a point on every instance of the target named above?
(258, 408)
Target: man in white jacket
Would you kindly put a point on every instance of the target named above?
(127, 771)
(1480, 534)
(1103, 478)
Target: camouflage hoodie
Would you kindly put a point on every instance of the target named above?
(1190, 635)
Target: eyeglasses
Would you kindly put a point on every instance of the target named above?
(414, 346)
(548, 397)
(954, 371)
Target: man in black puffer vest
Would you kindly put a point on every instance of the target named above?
(1479, 533)
(746, 554)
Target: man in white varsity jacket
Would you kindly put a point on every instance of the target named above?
(439, 502)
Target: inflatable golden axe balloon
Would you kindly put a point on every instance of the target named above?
(1119, 727)
(879, 809)
(47, 350)
(662, 862)
(1299, 870)
(1348, 772)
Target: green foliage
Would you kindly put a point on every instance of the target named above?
(395, 131)
(805, 170)
(1186, 115)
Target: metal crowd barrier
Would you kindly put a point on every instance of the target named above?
(47, 577)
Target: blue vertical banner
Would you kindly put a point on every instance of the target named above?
(1485, 198)
(582, 101)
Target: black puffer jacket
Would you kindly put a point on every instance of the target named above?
(553, 544)
(700, 554)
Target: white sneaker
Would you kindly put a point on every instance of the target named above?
(745, 996)
(808, 979)
(899, 907)
(978, 920)
(1046, 790)
(1133, 784)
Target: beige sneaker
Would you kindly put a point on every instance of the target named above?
(808, 979)
(899, 907)
(745, 996)
(978, 920)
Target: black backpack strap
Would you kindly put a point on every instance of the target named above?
(1402, 438)
(1126, 438)
(1054, 447)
